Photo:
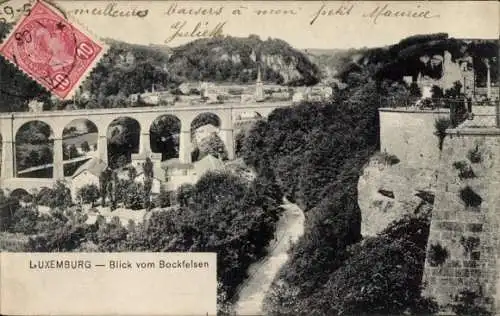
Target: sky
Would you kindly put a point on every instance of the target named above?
(356, 27)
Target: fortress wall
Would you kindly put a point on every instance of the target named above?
(409, 134)
(469, 234)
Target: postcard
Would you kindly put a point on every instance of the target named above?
(249, 157)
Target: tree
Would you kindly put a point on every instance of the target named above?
(121, 161)
(25, 221)
(134, 198)
(73, 152)
(415, 90)
(61, 195)
(148, 182)
(111, 236)
(436, 92)
(33, 159)
(163, 198)
(147, 168)
(104, 178)
(85, 146)
(455, 91)
(65, 150)
(8, 207)
(184, 194)
(238, 143)
(132, 173)
(213, 145)
(88, 194)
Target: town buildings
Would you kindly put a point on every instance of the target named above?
(178, 173)
(87, 174)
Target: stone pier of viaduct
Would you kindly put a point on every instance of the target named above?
(102, 118)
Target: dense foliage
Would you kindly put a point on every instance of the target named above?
(221, 213)
(33, 145)
(316, 152)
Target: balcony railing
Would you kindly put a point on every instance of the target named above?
(463, 112)
(416, 103)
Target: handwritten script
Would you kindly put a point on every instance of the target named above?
(210, 19)
(379, 12)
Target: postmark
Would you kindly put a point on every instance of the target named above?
(52, 50)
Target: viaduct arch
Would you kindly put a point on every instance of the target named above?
(10, 123)
(164, 136)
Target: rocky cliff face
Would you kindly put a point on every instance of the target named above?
(237, 59)
(387, 192)
(286, 69)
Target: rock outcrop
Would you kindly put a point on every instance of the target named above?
(386, 192)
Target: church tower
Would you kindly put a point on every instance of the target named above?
(259, 88)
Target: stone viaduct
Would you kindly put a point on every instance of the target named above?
(10, 123)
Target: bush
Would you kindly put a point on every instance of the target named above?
(469, 303)
(134, 197)
(470, 198)
(58, 196)
(415, 90)
(441, 125)
(8, 207)
(184, 194)
(88, 194)
(474, 155)
(437, 92)
(213, 145)
(25, 221)
(111, 236)
(383, 277)
(85, 146)
(469, 243)
(163, 199)
(465, 171)
(223, 217)
(437, 255)
(387, 159)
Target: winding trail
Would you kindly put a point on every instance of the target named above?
(262, 273)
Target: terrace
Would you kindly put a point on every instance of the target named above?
(463, 114)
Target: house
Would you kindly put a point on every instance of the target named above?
(178, 173)
(139, 159)
(280, 95)
(133, 98)
(247, 98)
(150, 98)
(207, 163)
(298, 97)
(86, 174)
(35, 106)
(156, 185)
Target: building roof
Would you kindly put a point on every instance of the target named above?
(207, 163)
(93, 165)
(142, 174)
(176, 163)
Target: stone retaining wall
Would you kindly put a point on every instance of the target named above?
(463, 243)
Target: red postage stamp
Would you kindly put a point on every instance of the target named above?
(52, 50)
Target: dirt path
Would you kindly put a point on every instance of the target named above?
(262, 273)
